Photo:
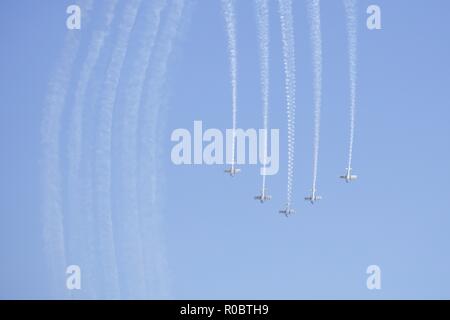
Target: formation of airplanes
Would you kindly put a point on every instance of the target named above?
(348, 177)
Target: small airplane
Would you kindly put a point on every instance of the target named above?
(287, 211)
(313, 197)
(263, 196)
(348, 176)
(232, 171)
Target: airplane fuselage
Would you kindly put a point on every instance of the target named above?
(349, 177)
(232, 171)
(313, 198)
(287, 212)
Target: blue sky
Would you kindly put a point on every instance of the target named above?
(218, 242)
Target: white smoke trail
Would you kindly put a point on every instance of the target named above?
(230, 22)
(262, 16)
(53, 228)
(149, 181)
(102, 165)
(316, 39)
(287, 33)
(75, 143)
(350, 8)
(129, 164)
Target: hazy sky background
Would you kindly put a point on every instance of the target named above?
(217, 241)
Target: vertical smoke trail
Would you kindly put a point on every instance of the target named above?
(230, 21)
(149, 181)
(133, 242)
(287, 32)
(77, 215)
(262, 15)
(53, 229)
(350, 9)
(102, 165)
(316, 39)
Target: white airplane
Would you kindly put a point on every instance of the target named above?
(348, 176)
(263, 196)
(232, 171)
(287, 211)
(313, 197)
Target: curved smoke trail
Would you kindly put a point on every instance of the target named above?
(103, 150)
(230, 21)
(75, 142)
(262, 15)
(53, 228)
(350, 9)
(316, 39)
(133, 242)
(149, 180)
(287, 33)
